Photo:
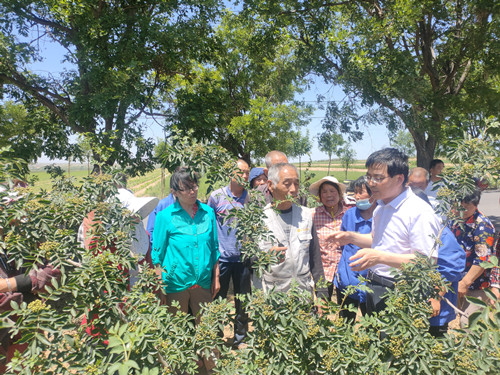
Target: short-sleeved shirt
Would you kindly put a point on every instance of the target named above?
(352, 222)
(222, 201)
(325, 225)
(476, 238)
(187, 248)
(404, 226)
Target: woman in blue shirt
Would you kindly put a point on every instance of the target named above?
(356, 219)
(185, 246)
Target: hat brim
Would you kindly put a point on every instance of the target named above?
(314, 188)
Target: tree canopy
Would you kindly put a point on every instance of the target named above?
(120, 55)
(243, 99)
(418, 62)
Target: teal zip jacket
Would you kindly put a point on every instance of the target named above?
(186, 248)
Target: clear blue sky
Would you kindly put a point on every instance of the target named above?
(375, 136)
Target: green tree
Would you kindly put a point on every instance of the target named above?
(31, 130)
(347, 157)
(330, 143)
(86, 152)
(415, 62)
(403, 141)
(120, 55)
(301, 146)
(243, 99)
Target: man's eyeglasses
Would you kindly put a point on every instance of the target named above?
(375, 179)
(187, 190)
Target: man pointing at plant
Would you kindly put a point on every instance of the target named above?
(402, 225)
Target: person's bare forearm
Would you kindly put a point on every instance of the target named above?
(361, 240)
(8, 285)
(396, 260)
(471, 276)
(367, 257)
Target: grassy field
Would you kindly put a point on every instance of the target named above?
(155, 191)
(149, 184)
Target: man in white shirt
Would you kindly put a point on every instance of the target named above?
(402, 225)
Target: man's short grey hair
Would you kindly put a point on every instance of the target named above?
(274, 172)
(419, 170)
(271, 155)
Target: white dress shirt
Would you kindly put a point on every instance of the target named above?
(403, 226)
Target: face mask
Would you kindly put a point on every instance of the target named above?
(363, 204)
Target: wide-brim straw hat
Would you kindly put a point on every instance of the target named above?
(314, 188)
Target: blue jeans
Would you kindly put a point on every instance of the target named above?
(241, 275)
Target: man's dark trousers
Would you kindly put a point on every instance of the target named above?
(241, 275)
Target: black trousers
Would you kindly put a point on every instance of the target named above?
(374, 300)
(348, 301)
(241, 275)
(375, 303)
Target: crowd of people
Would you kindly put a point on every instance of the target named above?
(367, 229)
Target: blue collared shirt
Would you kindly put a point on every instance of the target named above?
(222, 201)
(352, 222)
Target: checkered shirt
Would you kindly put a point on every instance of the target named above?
(325, 225)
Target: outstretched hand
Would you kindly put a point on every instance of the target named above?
(42, 277)
(365, 258)
(340, 238)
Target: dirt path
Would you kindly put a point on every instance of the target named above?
(140, 193)
(142, 184)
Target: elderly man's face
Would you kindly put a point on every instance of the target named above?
(417, 180)
(243, 170)
(287, 185)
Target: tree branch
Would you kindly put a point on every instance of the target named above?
(463, 77)
(25, 13)
(307, 9)
(20, 82)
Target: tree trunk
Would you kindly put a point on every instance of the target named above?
(329, 164)
(245, 156)
(300, 169)
(425, 148)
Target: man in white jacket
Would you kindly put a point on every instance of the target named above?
(291, 225)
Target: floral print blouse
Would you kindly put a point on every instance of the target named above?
(476, 238)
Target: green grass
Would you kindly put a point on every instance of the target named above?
(155, 191)
(43, 178)
(351, 175)
(150, 176)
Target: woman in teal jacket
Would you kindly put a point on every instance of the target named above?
(185, 246)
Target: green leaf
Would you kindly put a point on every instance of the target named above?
(476, 301)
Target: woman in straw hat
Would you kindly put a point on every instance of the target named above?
(327, 220)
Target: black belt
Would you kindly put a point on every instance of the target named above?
(380, 280)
